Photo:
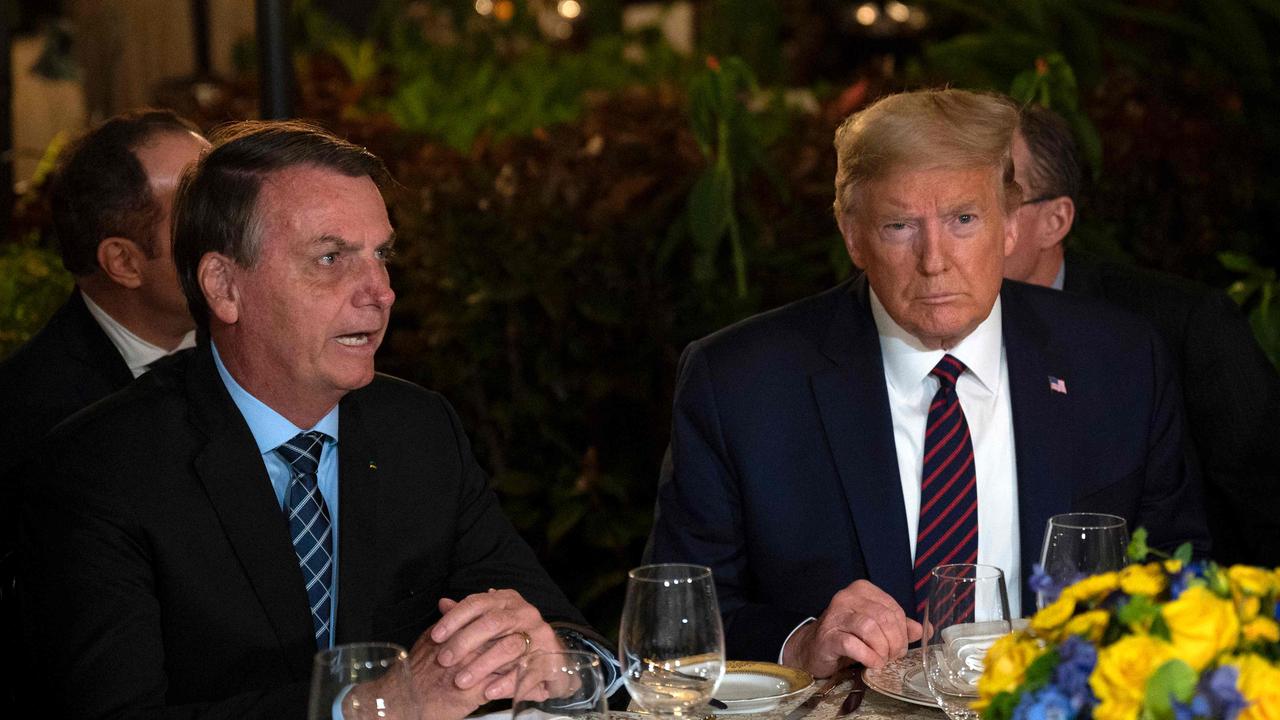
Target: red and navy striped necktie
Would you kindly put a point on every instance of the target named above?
(948, 527)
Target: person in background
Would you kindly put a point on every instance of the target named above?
(827, 455)
(1230, 390)
(191, 542)
(111, 199)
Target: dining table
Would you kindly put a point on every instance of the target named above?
(875, 706)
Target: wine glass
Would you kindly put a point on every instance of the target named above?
(671, 642)
(559, 685)
(362, 680)
(968, 608)
(1077, 545)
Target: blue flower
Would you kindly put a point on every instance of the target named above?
(1047, 703)
(1077, 658)
(1197, 708)
(1219, 686)
(1046, 585)
(1194, 570)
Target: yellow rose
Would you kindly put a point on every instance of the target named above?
(1006, 664)
(1259, 682)
(1094, 587)
(1248, 607)
(1251, 580)
(1051, 617)
(1173, 567)
(1088, 625)
(1261, 629)
(1201, 625)
(1146, 580)
(1120, 678)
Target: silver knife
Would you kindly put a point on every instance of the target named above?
(815, 699)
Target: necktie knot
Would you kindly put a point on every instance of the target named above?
(948, 371)
(302, 452)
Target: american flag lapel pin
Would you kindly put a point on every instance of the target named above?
(1058, 385)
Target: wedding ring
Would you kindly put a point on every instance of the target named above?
(527, 640)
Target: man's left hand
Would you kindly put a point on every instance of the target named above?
(486, 632)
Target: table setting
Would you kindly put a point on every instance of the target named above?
(1122, 632)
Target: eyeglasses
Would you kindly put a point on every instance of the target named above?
(1038, 200)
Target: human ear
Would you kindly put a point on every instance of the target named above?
(1058, 219)
(120, 259)
(216, 276)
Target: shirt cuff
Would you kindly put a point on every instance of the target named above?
(782, 650)
(610, 670)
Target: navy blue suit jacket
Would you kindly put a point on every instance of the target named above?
(785, 480)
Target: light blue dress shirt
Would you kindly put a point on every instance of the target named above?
(271, 430)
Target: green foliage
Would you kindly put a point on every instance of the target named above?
(1259, 294)
(1172, 681)
(32, 285)
(1052, 84)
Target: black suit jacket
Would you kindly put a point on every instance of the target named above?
(67, 366)
(785, 479)
(1232, 395)
(160, 579)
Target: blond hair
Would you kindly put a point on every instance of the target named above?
(926, 130)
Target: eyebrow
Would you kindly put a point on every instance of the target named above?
(329, 239)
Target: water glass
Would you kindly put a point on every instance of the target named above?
(671, 642)
(967, 610)
(1077, 545)
(559, 685)
(362, 680)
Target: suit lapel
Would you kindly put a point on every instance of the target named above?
(854, 406)
(1041, 442)
(357, 526)
(237, 485)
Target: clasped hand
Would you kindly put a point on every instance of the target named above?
(861, 624)
(468, 657)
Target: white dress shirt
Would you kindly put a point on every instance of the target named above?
(138, 354)
(984, 397)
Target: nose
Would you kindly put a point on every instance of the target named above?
(930, 258)
(375, 286)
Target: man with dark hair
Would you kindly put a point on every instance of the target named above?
(1231, 391)
(297, 499)
(111, 200)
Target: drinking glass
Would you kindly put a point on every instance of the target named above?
(559, 685)
(362, 680)
(1077, 545)
(671, 642)
(967, 609)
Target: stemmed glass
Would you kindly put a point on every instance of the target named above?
(362, 680)
(967, 609)
(671, 642)
(1077, 545)
(559, 685)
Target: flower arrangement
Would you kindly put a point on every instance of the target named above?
(1169, 639)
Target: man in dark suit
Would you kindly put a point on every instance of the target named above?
(111, 203)
(828, 454)
(1231, 391)
(191, 542)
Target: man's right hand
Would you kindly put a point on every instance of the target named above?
(862, 623)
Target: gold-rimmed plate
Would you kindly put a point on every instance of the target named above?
(902, 679)
(752, 687)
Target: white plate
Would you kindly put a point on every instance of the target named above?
(903, 679)
(753, 687)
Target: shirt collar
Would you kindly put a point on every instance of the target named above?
(270, 429)
(138, 354)
(1059, 280)
(907, 361)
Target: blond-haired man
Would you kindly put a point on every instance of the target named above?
(827, 455)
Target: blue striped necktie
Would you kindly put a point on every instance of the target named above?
(310, 527)
(948, 528)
